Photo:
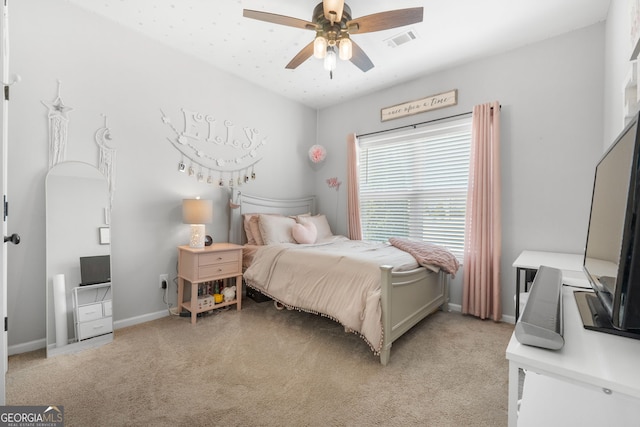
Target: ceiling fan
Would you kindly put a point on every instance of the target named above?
(334, 26)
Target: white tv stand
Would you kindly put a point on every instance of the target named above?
(594, 375)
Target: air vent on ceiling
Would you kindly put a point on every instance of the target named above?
(402, 38)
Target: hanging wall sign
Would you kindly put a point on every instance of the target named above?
(218, 153)
(433, 102)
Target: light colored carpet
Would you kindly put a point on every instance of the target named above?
(263, 367)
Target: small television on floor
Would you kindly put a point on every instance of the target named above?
(612, 252)
(95, 270)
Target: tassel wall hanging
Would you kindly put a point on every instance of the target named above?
(58, 128)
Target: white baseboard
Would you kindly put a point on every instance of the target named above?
(140, 319)
(41, 343)
(455, 307)
(27, 346)
(505, 318)
(509, 319)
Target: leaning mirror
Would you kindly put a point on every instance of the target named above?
(78, 253)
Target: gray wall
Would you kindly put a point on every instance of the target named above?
(551, 95)
(617, 54)
(106, 69)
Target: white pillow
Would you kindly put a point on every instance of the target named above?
(276, 229)
(320, 221)
(304, 233)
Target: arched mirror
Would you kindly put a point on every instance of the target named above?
(79, 291)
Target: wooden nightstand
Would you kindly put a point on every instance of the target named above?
(215, 262)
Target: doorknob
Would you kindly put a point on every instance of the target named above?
(14, 238)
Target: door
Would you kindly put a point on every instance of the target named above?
(4, 48)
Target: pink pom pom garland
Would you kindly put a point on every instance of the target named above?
(317, 153)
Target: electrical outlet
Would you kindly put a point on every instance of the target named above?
(163, 281)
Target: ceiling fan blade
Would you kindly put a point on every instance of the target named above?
(359, 58)
(385, 20)
(302, 56)
(278, 19)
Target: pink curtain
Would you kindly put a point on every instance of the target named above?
(353, 187)
(482, 248)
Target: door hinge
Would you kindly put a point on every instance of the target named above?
(6, 324)
(5, 207)
(6, 93)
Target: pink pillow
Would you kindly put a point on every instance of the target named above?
(320, 221)
(305, 233)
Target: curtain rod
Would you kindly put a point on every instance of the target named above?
(418, 124)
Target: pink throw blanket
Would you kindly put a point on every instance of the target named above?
(428, 254)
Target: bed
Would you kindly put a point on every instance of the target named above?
(394, 298)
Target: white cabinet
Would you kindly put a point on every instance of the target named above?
(92, 310)
(550, 401)
(593, 372)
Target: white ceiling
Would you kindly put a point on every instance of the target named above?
(452, 32)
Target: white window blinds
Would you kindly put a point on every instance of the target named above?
(413, 183)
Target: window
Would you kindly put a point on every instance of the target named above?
(413, 183)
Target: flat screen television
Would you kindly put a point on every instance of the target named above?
(95, 269)
(612, 252)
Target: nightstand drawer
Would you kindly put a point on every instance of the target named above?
(227, 269)
(94, 328)
(89, 312)
(218, 258)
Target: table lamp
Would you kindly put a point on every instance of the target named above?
(197, 212)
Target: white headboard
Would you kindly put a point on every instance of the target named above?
(246, 204)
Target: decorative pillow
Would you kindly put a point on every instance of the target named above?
(246, 219)
(320, 221)
(255, 229)
(304, 233)
(276, 229)
(428, 254)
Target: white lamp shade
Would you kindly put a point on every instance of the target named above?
(197, 211)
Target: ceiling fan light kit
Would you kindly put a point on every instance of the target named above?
(320, 47)
(330, 59)
(331, 20)
(345, 49)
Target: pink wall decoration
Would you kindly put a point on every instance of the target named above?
(317, 153)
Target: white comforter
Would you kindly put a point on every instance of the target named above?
(339, 278)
